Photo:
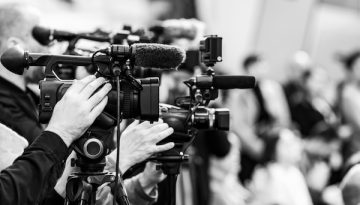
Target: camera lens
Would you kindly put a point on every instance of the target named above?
(211, 118)
(222, 119)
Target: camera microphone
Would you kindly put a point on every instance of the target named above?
(45, 35)
(15, 59)
(150, 54)
(231, 82)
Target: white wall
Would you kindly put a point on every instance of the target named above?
(334, 31)
(85, 15)
(236, 22)
(282, 31)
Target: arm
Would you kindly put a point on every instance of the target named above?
(33, 173)
(23, 182)
(142, 188)
(275, 102)
(243, 105)
(137, 194)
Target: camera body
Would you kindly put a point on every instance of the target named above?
(181, 120)
(142, 104)
(211, 50)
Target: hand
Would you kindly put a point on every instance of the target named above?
(60, 186)
(79, 108)
(138, 142)
(150, 177)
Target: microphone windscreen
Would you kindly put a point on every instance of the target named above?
(42, 35)
(157, 55)
(231, 82)
(14, 60)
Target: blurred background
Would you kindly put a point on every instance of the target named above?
(275, 28)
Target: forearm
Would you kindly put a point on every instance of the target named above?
(33, 172)
(138, 194)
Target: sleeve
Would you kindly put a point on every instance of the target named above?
(34, 171)
(136, 193)
(21, 123)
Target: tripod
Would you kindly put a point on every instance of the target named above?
(172, 160)
(81, 186)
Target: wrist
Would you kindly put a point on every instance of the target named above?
(146, 184)
(124, 165)
(68, 140)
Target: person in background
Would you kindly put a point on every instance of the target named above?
(17, 101)
(349, 103)
(350, 186)
(279, 180)
(322, 164)
(305, 90)
(225, 186)
(314, 116)
(262, 109)
(294, 88)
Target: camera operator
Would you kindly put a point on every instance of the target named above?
(266, 110)
(137, 143)
(71, 117)
(17, 101)
(24, 181)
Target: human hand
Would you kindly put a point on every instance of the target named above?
(79, 108)
(150, 177)
(139, 141)
(60, 186)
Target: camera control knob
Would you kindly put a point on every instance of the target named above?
(93, 148)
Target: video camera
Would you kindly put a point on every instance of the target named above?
(116, 60)
(86, 43)
(46, 36)
(139, 98)
(204, 88)
(191, 113)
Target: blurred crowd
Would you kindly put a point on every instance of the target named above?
(291, 143)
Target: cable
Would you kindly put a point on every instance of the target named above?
(117, 138)
(123, 200)
(96, 65)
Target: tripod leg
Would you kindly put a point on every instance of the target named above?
(172, 187)
(86, 195)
